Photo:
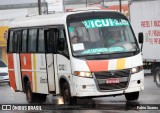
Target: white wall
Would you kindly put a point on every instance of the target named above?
(14, 13)
(10, 2)
(84, 5)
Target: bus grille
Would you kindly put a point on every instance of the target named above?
(122, 75)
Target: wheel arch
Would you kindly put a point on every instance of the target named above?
(62, 80)
(154, 69)
(25, 81)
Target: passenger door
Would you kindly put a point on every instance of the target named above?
(50, 35)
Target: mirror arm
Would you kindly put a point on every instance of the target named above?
(141, 47)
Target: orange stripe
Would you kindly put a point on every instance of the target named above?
(97, 65)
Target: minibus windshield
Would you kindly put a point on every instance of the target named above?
(101, 36)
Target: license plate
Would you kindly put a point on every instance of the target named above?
(112, 80)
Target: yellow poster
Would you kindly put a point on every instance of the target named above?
(3, 35)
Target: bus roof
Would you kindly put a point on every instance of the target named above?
(44, 20)
(40, 20)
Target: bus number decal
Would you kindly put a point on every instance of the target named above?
(62, 67)
(43, 80)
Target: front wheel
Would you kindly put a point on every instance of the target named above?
(132, 96)
(157, 77)
(65, 93)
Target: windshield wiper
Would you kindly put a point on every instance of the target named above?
(93, 56)
(108, 56)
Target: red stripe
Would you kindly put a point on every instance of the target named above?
(97, 65)
(12, 79)
(11, 73)
(10, 61)
(26, 62)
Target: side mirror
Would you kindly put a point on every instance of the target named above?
(140, 37)
(60, 44)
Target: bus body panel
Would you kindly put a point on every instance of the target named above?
(14, 73)
(34, 67)
(57, 83)
(106, 65)
(26, 66)
(63, 69)
(51, 72)
(91, 88)
(128, 63)
(63, 64)
(46, 70)
(17, 71)
(39, 73)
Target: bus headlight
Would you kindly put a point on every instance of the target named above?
(136, 69)
(83, 74)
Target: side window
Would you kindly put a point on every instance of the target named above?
(32, 40)
(16, 41)
(41, 42)
(62, 45)
(10, 42)
(24, 41)
(50, 39)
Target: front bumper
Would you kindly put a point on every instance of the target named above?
(86, 87)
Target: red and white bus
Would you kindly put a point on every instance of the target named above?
(42, 60)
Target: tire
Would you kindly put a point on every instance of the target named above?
(157, 77)
(153, 69)
(66, 94)
(156, 68)
(30, 96)
(132, 96)
(40, 98)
